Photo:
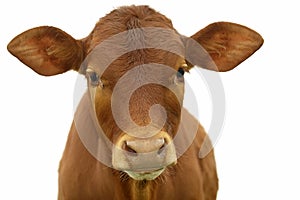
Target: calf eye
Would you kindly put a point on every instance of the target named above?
(179, 76)
(180, 72)
(93, 78)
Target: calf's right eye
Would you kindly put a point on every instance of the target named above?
(93, 78)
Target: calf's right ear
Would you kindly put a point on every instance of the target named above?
(47, 50)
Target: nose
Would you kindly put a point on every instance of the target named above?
(145, 146)
(144, 155)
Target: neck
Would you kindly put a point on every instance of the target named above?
(141, 190)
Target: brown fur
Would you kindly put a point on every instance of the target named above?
(83, 177)
(50, 51)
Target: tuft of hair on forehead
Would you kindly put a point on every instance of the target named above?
(146, 16)
(123, 19)
(133, 26)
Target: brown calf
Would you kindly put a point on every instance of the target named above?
(122, 143)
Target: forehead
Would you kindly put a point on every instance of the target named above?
(130, 28)
(127, 18)
(137, 47)
(133, 36)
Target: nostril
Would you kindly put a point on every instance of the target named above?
(141, 146)
(162, 148)
(127, 148)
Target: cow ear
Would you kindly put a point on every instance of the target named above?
(47, 50)
(223, 46)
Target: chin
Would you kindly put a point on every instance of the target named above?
(149, 175)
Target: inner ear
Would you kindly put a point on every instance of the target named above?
(222, 46)
(47, 50)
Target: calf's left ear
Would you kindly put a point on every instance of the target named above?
(47, 50)
(223, 46)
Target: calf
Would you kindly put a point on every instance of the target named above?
(130, 137)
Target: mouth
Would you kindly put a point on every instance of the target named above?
(147, 175)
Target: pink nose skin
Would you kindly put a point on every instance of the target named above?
(145, 146)
(144, 157)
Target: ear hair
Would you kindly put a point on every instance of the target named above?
(47, 50)
(223, 46)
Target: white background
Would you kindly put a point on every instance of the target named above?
(258, 152)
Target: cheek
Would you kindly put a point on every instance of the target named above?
(104, 114)
(102, 98)
(174, 106)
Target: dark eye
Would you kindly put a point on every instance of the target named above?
(180, 72)
(179, 76)
(93, 78)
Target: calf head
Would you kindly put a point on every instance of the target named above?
(135, 61)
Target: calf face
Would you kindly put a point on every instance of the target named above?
(135, 61)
